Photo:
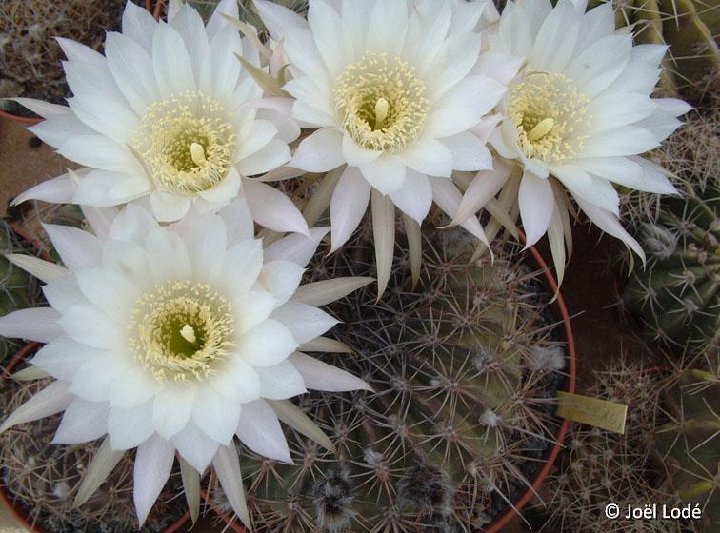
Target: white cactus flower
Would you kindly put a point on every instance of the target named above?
(399, 94)
(178, 339)
(577, 118)
(168, 118)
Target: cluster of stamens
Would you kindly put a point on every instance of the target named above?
(550, 115)
(180, 331)
(381, 102)
(185, 142)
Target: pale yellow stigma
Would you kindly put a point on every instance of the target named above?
(381, 102)
(185, 142)
(197, 154)
(188, 333)
(550, 115)
(181, 331)
(543, 128)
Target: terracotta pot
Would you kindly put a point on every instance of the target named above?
(7, 498)
(503, 520)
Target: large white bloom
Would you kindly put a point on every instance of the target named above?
(178, 338)
(399, 92)
(577, 117)
(168, 116)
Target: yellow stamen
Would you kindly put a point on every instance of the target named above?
(185, 142)
(197, 154)
(542, 129)
(551, 116)
(381, 102)
(381, 111)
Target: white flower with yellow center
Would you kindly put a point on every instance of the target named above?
(168, 116)
(578, 116)
(398, 92)
(178, 338)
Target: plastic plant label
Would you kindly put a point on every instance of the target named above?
(592, 411)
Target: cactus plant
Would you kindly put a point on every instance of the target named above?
(17, 288)
(689, 444)
(600, 467)
(678, 294)
(43, 479)
(462, 368)
(689, 27)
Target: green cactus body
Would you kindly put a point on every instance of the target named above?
(690, 28)
(462, 369)
(18, 289)
(678, 294)
(689, 445)
(42, 480)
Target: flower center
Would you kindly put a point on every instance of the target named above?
(185, 142)
(381, 102)
(180, 331)
(550, 116)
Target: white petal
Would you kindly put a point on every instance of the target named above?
(297, 248)
(39, 324)
(386, 174)
(383, 225)
(468, 152)
(601, 63)
(260, 431)
(280, 382)
(415, 197)
(130, 427)
(272, 208)
(227, 469)
(320, 152)
(609, 223)
(139, 25)
(131, 67)
(153, 461)
(268, 343)
(448, 198)
(99, 219)
(327, 291)
(170, 258)
(76, 51)
(64, 293)
(282, 279)
(430, 157)
(388, 26)
(348, 204)
(304, 321)
(217, 20)
(48, 401)
(536, 202)
(168, 207)
(195, 447)
(628, 140)
(108, 291)
(43, 270)
(555, 42)
(82, 422)
(77, 248)
(277, 18)
(299, 421)
(484, 186)
(356, 155)
(270, 157)
(133, 386)
(238, 221)
(58, 190)
(206, 242)
(327, 27)
(95, 379)
(214, 415)
(98, 470)
(172, 407)
(223, 193)
(240, 384)
(243, 263)
(321, 376)
(171, 62)
(62, 357)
